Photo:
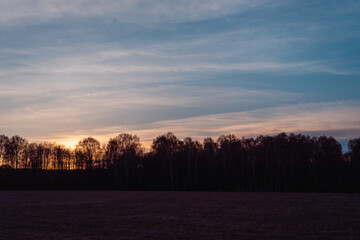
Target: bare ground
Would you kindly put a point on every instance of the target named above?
(178, 215)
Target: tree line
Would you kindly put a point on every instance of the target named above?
(283, 162)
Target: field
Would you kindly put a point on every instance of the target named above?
(178, 215)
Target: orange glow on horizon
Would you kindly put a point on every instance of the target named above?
(69, 143)
(340, 121)
(73, 141)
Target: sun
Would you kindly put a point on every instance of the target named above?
(71, 144)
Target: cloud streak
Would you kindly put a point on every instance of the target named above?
(340, 119)
(113, 103)
(97, 59)
(138, 11)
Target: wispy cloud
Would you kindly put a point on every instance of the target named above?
(53, 108)
(141, 11)
(340, 119)
(97, 59)
(199, 67)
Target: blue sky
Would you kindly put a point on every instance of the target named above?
(197, 68)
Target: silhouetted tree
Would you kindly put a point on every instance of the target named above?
(354, 148)
(34, 153)
(229, 154)
(4, 140)
(123, 153)
(86, 152)
(62, 157)
(354, 152)
(14, 149)
(328, 154)
(210, 151)
(192, 151)
(48, 152)
(166, 147)
(293, 162)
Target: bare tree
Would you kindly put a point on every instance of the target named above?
(3, 141)
(14, 150)
(165, 147)
(34, 155)
(122, 154)
(354, 148)
(192, 150)
(86, 152)
(62, 157)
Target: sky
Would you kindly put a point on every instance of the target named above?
(200, 68)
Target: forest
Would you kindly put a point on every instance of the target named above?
(280, 163)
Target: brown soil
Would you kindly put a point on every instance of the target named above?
(178, 215)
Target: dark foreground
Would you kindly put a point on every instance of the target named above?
(178, 215)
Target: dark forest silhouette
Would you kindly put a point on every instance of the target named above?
(283, 162)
